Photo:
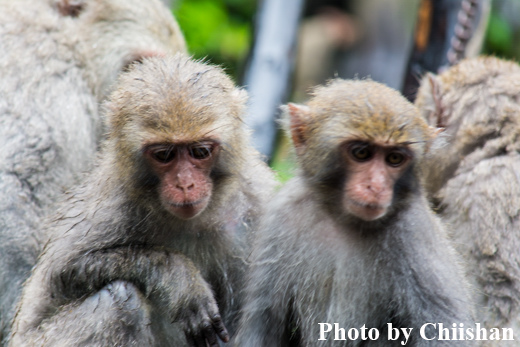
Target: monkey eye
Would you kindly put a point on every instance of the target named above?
(164, 155)
(201, 151)
(395, 158)
(361, 152)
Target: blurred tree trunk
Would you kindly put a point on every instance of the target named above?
(269, 69)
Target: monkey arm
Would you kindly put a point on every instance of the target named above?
(169, 280)
(19, 246)
(266, 315)
(91, 271)
(268, 311)
(438, 286)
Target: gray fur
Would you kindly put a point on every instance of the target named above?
(474, 182)
(306, 266)
(55, 69)
(313, 262)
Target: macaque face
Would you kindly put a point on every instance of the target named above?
(184, 173)
(372, 171)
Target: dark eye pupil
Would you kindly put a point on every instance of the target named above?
(361, 153)
(395, 158)
(200, 152)
(164, 156)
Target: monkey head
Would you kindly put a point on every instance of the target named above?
(181, 120)
(111, 35)
(358, 143)
(476, 103)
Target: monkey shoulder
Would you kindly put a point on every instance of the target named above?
(293, 221)
(482, 203)
(258, 183)
(245, 207)
(43, 146)
(89, 217)
(294, 206)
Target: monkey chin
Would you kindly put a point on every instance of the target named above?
(187, 209)
(366, 212)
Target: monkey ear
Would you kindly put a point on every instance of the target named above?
(70, 8)
(298, 116)
(435, 92)
(435, 83)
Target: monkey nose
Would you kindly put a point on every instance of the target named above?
(185, 187)
(374, 188)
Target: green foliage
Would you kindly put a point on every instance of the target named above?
(283, 161)
(283, 168)
(499, 37)
(220, 30)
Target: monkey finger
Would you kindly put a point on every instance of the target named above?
(195, 338)
(209, 334)
(220, 328)
(195, 330)
(211, 323)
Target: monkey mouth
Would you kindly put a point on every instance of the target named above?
(188, 209)
(187, 204)
(367, 211)
(368, 205)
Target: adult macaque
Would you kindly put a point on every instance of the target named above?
(158, 232)
(351, 240)
(59, 58)
(474, 181)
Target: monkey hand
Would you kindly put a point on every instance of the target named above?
(202, 322)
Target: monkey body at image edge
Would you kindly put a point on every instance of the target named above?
(473, 183)
(60, 60)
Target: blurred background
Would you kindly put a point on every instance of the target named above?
(279, 49)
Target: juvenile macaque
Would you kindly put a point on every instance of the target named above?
(474, 180)
(351, 240)
(157, 234)
(58, 60)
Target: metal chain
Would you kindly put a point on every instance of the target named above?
(463, 30)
